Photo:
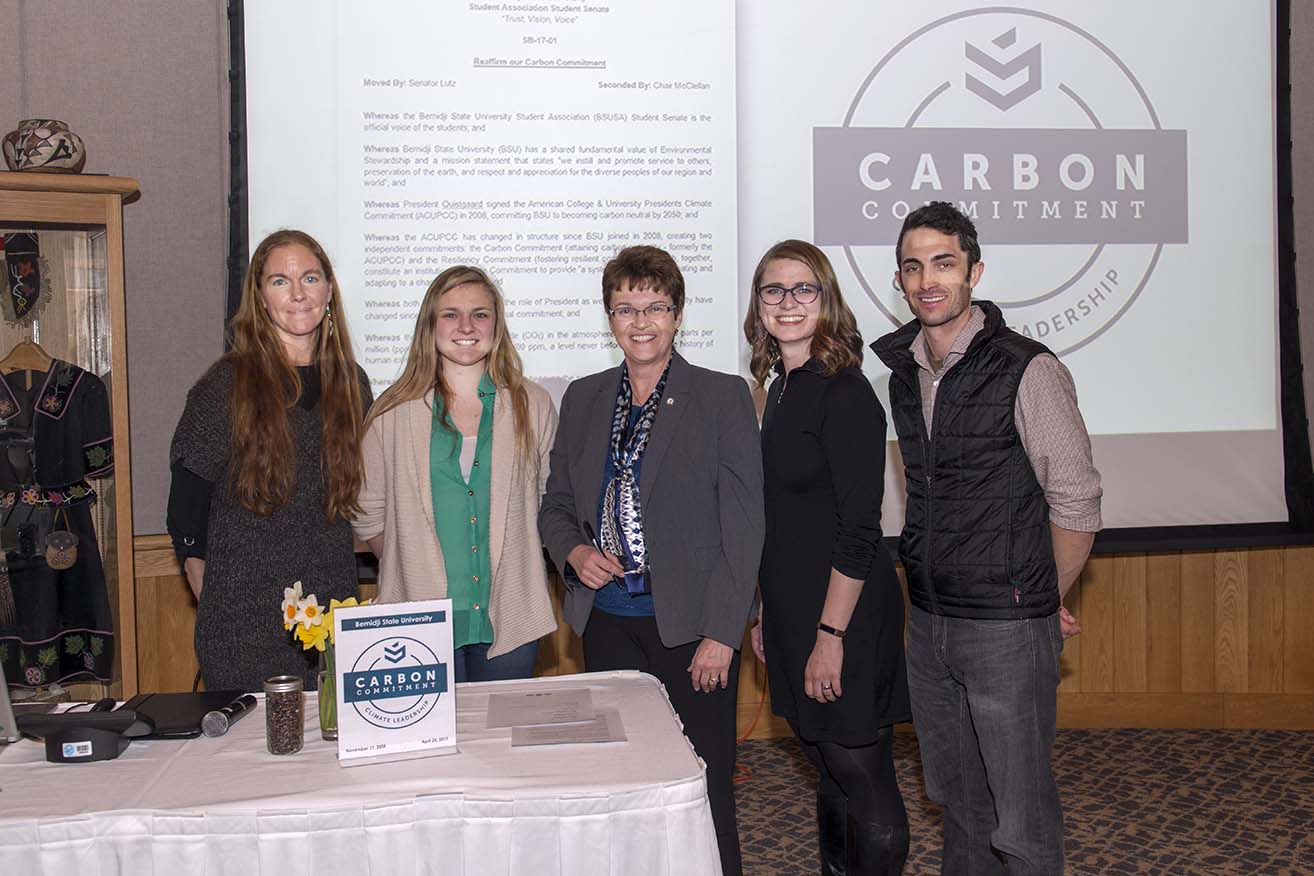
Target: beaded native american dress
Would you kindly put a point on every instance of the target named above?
(55, 436)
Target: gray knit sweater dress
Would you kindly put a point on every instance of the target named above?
(240, 640)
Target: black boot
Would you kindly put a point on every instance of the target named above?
(876, 849)
(832, 826)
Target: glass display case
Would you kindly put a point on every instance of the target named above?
(67, 606)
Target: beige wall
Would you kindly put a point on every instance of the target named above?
(144, 83)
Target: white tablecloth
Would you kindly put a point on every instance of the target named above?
(225, 806)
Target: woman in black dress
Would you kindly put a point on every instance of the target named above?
(266, 464)
(831, 624)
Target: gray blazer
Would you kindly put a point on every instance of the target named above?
(701, 490)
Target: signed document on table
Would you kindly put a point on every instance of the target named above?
(606, 727)
(531, 708)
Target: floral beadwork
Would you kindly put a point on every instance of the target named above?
(63, 380)
(79, 654)
(74, 494)
(98, 456)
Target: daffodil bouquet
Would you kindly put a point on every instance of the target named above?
(312, 626)
(307, 620)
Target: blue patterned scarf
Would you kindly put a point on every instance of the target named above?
(622, 508)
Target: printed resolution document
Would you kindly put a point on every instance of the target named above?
(606, 727)
(533, 144)
(526, 708)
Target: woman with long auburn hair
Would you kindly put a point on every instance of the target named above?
(830, 624)
(266, 465)
(455, 458)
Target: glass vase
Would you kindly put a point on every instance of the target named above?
(328, 693)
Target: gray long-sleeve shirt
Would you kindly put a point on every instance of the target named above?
(1048, 422)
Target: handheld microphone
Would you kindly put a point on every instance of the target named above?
(218, 722)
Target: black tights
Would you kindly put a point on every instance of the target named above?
(859, 790)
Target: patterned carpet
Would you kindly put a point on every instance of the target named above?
(1190, 802)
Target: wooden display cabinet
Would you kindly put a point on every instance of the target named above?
(79, 222)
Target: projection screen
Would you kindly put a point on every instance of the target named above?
(1119, 159)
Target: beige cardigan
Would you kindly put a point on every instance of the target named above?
(396, 502)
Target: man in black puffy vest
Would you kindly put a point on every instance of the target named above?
(1003, 505)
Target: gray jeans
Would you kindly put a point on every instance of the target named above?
(983, 702)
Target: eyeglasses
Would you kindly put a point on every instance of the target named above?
(624, 312)
(804, 293)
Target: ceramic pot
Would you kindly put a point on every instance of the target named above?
(44, 145)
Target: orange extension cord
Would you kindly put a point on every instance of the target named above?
(743, 773)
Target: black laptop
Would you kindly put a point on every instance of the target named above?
(178, 715)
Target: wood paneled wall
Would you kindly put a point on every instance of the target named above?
(1201, 639)
(166, 616)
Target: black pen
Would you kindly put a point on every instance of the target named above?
(588, 533)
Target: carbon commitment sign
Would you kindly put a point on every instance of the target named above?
(1035, 129)
(395, 693)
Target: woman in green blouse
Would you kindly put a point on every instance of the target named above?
(455, 458)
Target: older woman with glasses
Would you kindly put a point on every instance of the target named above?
(831, 618)
(653, 512)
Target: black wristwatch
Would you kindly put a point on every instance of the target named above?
(827, 628)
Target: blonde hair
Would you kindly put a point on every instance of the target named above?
(836, 344)
(266, 386)
(424, 372)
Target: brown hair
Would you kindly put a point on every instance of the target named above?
(837, 342)
(644, 267)
(266, 386)
(945, 218)
(424, 371)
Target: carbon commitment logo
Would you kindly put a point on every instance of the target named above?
(1040, 133)
(395, 682)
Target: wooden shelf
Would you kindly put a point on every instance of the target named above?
(81, 183)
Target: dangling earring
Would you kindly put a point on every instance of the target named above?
(328, 310)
